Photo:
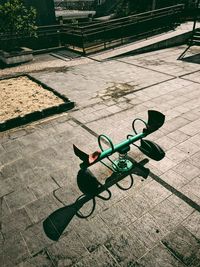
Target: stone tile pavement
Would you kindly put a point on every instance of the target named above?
(154, 224)
(49, 62)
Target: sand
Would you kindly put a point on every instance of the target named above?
(20, 96)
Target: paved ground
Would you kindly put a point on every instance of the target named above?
(154, 224)
(49, 62)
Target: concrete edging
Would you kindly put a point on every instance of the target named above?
(167, 43)
(36, 115)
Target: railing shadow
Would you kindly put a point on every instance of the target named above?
(192, 59)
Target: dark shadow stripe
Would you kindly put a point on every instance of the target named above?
(85, 127)
(186, 199)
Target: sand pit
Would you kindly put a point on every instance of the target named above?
(20, 96)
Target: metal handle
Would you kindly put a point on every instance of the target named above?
(105, 137)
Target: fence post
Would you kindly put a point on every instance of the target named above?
(83, 45)
(104, 37)
(196, 16)
(121, 37)
(60, 30)
(153, 7)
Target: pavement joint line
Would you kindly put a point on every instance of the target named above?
(27, 247)
(89, 130)
(171, 252)
(85, 127)
(190, 80)
(142, 67)
(192, 72)
(176, 256)
(173, 190)
(1, 203)
(103, 117)
(94, 59)
(50, 258)
(153, 247)
(7, 193)
(112, 256)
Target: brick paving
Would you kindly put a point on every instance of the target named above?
(156, 223)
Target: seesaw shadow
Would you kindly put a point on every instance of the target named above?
(57, 221)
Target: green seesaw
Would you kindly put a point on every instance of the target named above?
(88, 184)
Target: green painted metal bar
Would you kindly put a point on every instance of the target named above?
(116, 148)
(155, 121)
(121, 145)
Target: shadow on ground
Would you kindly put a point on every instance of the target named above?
(193, 59)
(57, 221)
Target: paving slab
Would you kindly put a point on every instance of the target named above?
(183, 245)
(126, 248)
(156, 222)
(159, 256)
(68, 251)
(167, 64)
(104, 84)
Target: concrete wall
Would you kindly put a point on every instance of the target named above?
(174, 41)
(76, 4)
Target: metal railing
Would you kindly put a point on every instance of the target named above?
(101, 35)
(114, 32)
(196, 15)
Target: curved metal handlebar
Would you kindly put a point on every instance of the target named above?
(103, 136)
(133, 124)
